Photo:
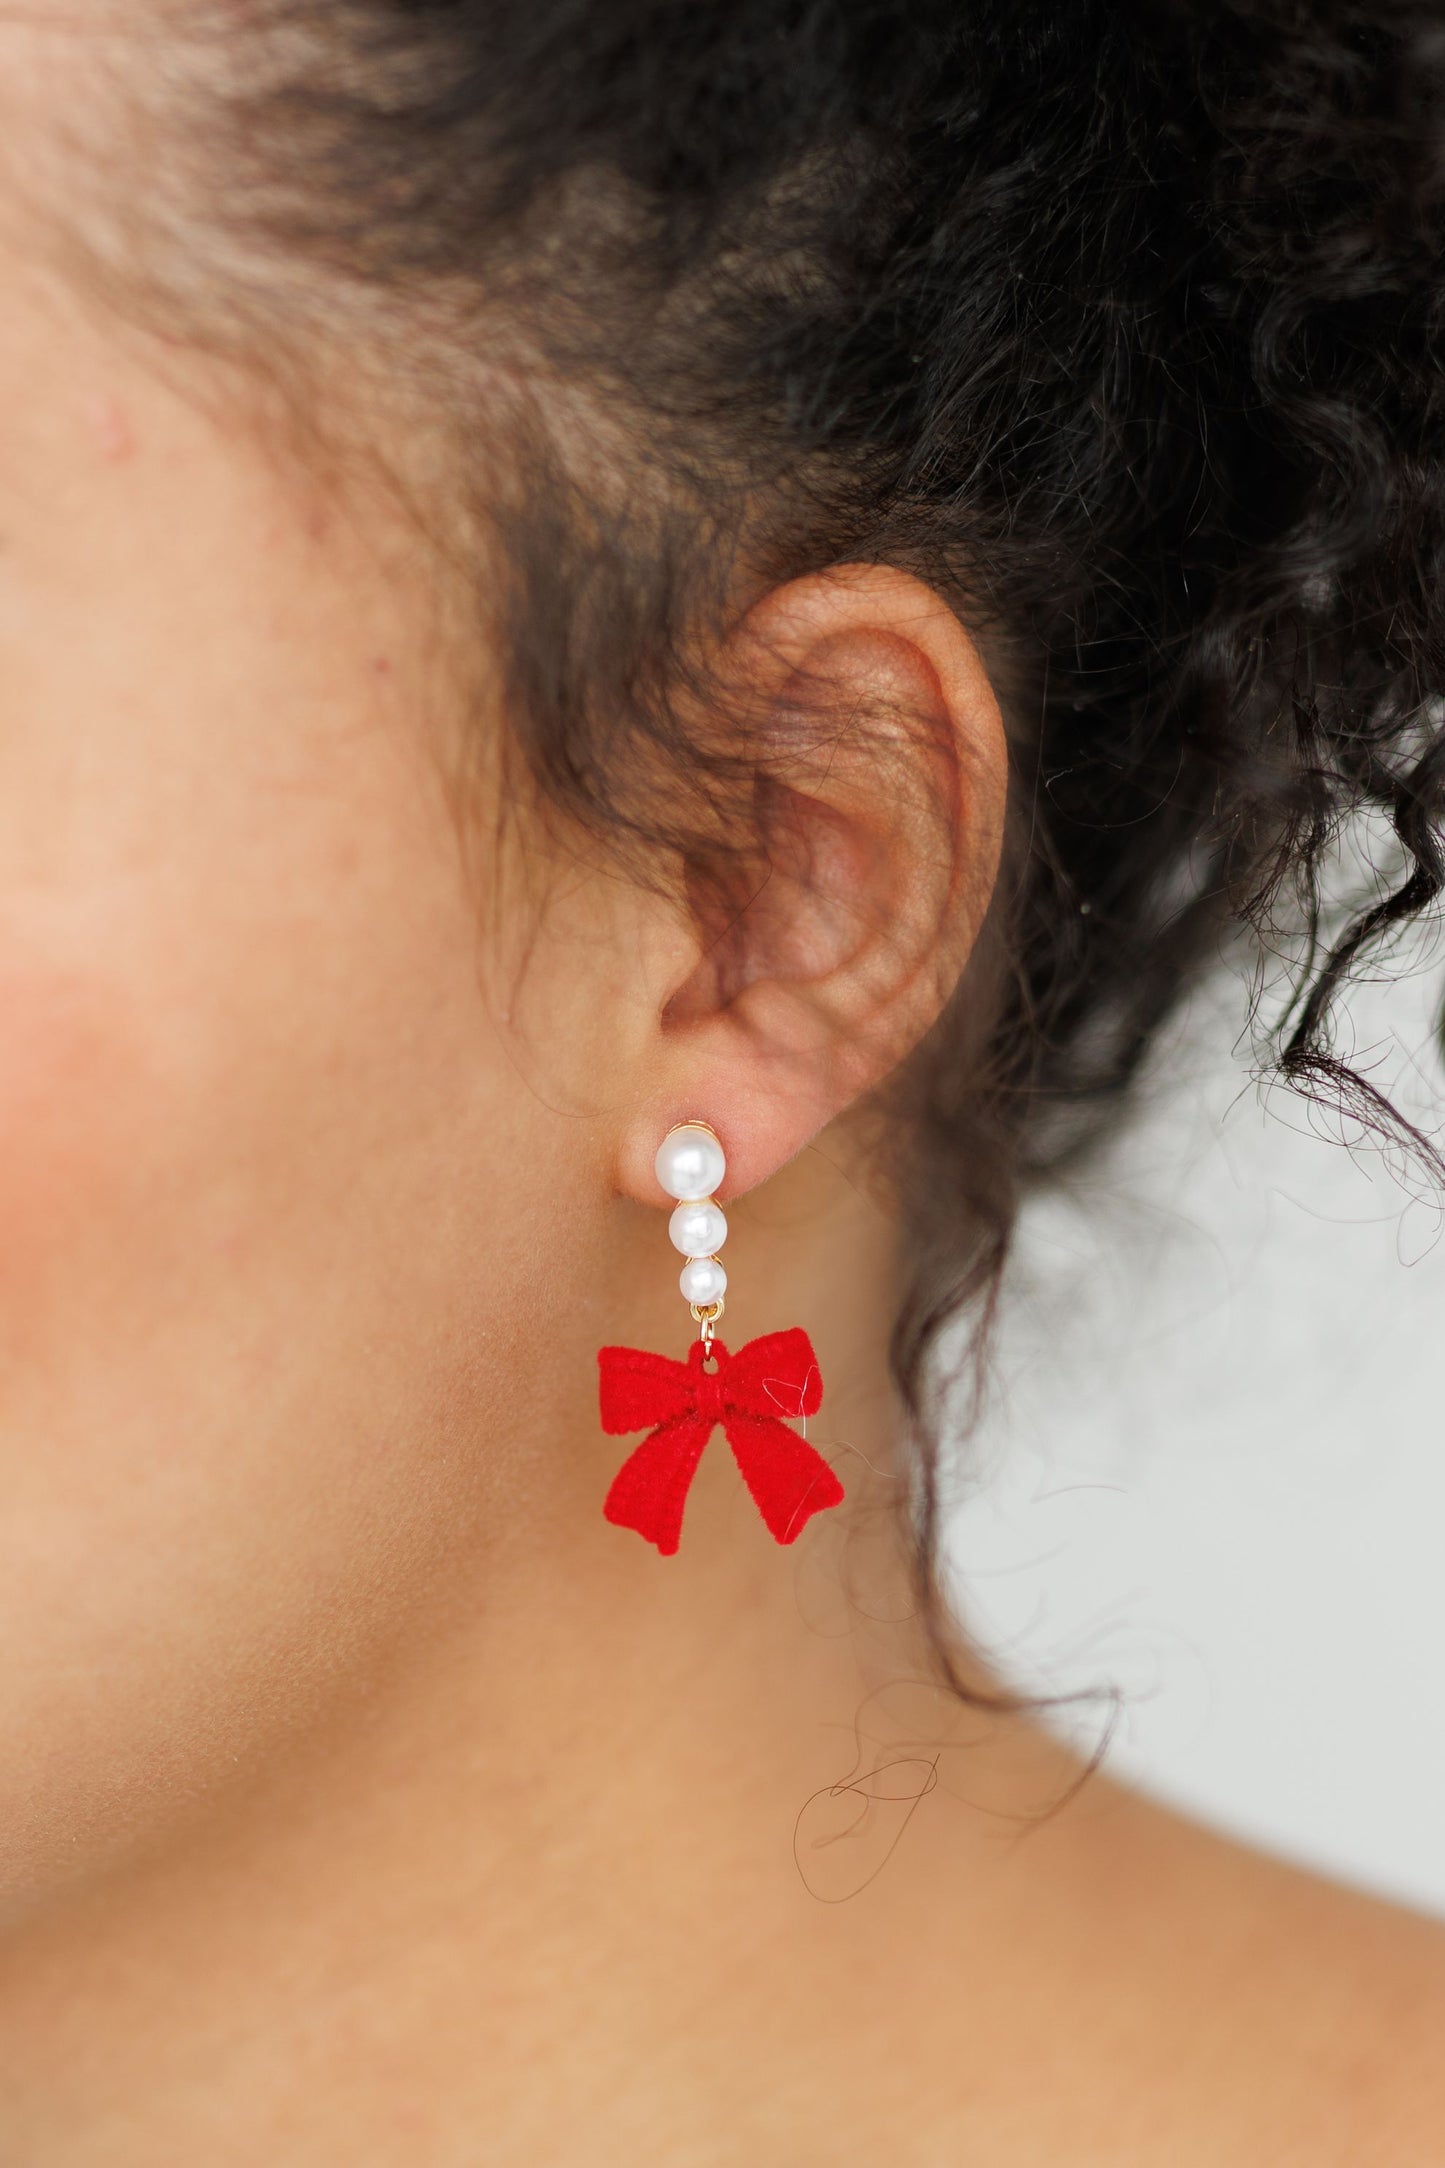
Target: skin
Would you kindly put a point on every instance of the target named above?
(365, 1796)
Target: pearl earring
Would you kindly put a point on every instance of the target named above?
(690, 1165)
(751, 1394)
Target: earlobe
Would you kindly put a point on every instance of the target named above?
(830, 935)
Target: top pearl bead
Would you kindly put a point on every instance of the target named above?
(690, 1162)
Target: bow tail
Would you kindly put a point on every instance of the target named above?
(789, 1479)
(650, 1489)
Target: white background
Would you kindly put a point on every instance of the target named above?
(1214, 1471)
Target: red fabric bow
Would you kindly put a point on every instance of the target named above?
(749, 1394)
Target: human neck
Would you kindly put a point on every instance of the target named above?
(600, 1800)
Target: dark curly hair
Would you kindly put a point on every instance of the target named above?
(1119, 324)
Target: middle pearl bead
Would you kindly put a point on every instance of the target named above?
(698, 1228)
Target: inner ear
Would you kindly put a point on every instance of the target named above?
(794, 906)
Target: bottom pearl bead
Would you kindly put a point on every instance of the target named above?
(702, 1279)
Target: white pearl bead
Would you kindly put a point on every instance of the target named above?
(702, 1279)
(690, 1161)
(698, 1229)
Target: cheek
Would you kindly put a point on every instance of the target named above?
(274, 1255)
(71, 1079)
(265, 1195)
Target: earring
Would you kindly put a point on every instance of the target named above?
(750, 1393)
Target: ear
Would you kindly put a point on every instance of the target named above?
(824, 944)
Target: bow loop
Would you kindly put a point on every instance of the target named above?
(638, 1388)
(776, 1375)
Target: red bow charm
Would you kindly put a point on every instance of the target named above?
(749, 1394)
